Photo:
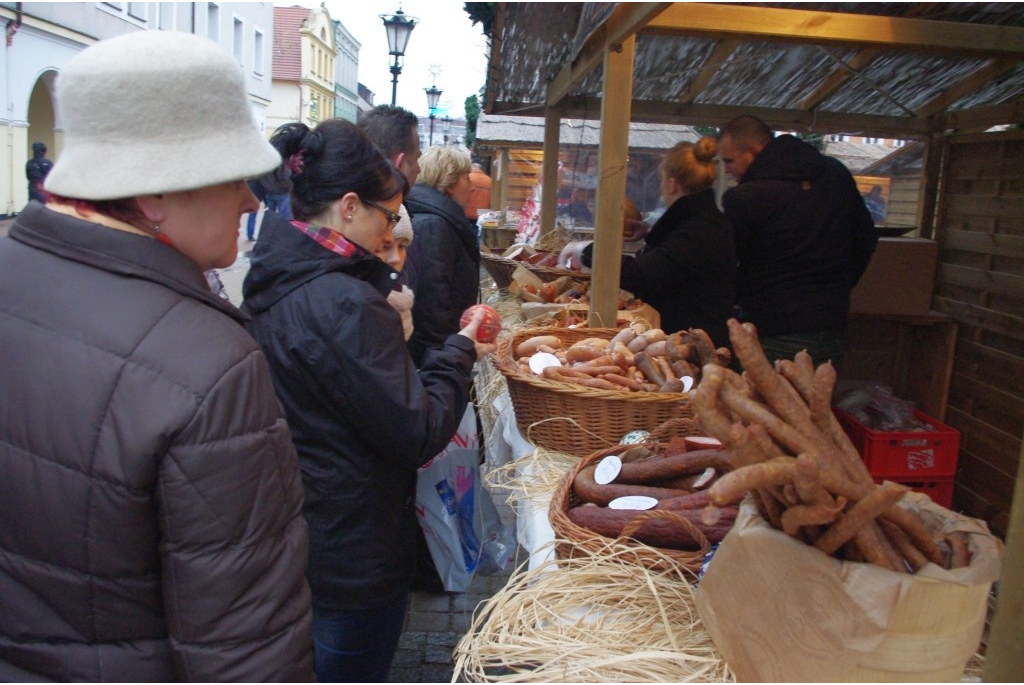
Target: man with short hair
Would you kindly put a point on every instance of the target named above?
(803, 239)
(396, 132)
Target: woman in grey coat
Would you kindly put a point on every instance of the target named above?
(150, 499)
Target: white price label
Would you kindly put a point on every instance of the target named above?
(607, 470)
(636, 502)
(543, 360)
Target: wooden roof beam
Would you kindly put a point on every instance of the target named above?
(626, 20)
(751, 23)
(830, 85)
(983, 118)
(718, 57)
(695, 114)
(992, 70)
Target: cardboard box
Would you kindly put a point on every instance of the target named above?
(899, 279)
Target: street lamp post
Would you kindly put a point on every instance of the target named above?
(399, 28)
(433, 95)
(446, 126)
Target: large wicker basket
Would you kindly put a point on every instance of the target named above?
(572, 540)
(574, 419)
(501, 270)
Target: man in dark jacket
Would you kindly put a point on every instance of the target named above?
(36, 170)
(803, 239)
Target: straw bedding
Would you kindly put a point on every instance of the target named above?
(596, 619)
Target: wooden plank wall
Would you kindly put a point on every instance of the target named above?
(524, 175)
(980, 283)
(903, 196)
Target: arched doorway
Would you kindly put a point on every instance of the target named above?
(41, 116)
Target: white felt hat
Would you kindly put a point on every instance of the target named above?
(154, 112)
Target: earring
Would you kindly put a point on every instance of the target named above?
(350, 217)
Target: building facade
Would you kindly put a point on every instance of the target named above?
(346, 79)
(41, 37)
(304, 67)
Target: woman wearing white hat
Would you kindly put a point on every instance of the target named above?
(151, 498)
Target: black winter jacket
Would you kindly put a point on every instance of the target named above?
(363, 419)
(150, 500)
(803, 239)
(443, 267)
(687, 267)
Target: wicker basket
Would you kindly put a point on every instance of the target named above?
(573, 540)
(574, 419)
(501, 270)
(551, 273)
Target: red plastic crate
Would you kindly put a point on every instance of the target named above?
(940, 489)
(905, 455)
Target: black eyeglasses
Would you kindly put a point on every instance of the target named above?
(393, 217)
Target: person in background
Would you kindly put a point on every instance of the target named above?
(259, 194)
(480, 196)
(396, 132)
(394, 254)
(363, 418)
(152, 526)
(277, 188)
(803, 239)
(687, 267)
(444, 260)
(36, 170)
(875, 202)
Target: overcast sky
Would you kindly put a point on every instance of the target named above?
(444, 37)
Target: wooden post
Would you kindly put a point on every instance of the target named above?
(611, 186)
(549, 169)
(504, 164)
(1004, 655)
(927, 207)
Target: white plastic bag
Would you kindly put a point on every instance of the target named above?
(464, 533)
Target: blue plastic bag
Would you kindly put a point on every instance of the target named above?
(464, 533)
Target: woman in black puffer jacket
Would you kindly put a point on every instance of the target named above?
(363, 417)
(444, 259)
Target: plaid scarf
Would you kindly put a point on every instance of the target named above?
(329, 238)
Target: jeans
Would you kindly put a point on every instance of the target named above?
(357, 646)
(821, 345)
(282, 204)
(250, 228)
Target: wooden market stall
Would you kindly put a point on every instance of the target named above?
(515, 145)
(948, 75)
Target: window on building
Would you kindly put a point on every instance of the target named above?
(165, 20)
(257, 52)
(213, 21)
(238, 40)
(137, 10)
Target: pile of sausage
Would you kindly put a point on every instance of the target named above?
(676, 479)
(803, 473)
(636, 359)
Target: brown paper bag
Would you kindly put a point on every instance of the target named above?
(782, 611)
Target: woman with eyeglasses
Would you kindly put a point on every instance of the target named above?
(363, 418)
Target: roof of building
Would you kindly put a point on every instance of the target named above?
(857, 156)
(892, 69)
(500, 130)
(288, 23)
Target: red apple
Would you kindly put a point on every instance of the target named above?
(489, 327)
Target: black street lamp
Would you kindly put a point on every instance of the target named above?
(399, 28)
(433, 95)
(446, 126)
